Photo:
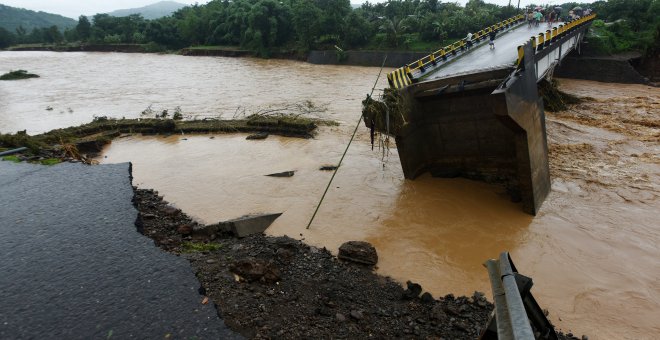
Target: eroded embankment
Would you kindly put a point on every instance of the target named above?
(83, 142)
(293, 290)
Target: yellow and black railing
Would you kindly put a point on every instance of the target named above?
(403, 76)
(545, 40)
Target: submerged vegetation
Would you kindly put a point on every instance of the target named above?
(18, 74)
(84, 141)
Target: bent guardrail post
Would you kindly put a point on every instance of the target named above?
(517, 316)
(11, 152)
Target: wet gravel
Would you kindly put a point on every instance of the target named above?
(277, 287)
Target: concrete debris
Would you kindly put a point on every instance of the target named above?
(282, 174)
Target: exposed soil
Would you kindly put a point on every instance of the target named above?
(278, 287)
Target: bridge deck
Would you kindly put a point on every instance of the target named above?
(482, 57)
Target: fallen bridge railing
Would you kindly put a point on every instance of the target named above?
(516, 315)
(408, 74)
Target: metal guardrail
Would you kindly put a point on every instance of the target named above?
(517, 316)
(11, 152)
(403, 76)
(547, 39)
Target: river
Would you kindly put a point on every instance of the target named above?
(592, 249)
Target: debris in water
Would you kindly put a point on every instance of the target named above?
(258, 135)
(283, 174)
(328, 168)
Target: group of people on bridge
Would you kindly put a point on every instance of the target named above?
(552, 15)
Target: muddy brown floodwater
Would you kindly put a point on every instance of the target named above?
(592, 250)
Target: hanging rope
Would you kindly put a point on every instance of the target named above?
(347, 146)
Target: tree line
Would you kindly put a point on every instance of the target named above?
(265, 26)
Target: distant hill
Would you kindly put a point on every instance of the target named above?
(153, 11)
(12, 17)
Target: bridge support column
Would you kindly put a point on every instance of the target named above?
(467, 126)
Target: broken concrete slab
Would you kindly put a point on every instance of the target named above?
(282, 174)
(251, 224)
(240, 227)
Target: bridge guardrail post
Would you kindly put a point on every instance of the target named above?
(516, 310)
(521, 58)
(539, 43)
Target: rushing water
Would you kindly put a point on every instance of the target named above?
(593, 255)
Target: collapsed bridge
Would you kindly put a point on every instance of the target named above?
(471, 111)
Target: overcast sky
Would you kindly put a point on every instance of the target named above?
(74, 8)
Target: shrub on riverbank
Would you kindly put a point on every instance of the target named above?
(18, 74)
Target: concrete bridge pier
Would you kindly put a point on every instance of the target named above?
(488, 126)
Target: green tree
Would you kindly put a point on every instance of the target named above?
(6, 38)
(83, 28)
(52, 35)
(306, 22)
(356, 30)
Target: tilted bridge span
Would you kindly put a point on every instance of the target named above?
(472, 111)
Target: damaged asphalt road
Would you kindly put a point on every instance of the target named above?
(73, 265)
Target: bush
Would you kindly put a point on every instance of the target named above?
(112, 39)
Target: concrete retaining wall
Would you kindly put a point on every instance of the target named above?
(604, 69)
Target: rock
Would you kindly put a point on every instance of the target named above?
(357, 314)
(340, 317)
(184, 229)
(282, 174)
(324, 311)
(412, 291)
(359, 252)
(284, 254)
(453, 310)
(252, 269)
(427, 298)
(211, 261)
(328, 168)
(258, 135)
(438, 313)
(284, 242)
(148, 216)
(170, 210)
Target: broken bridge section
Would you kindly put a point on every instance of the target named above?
(486, 124)
(74, 267)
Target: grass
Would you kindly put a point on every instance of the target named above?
(11, 158)
(50, 161)
(192, 247)
(18, 74)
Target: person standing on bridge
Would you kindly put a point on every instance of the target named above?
(537, 18)
(491, 36)
(468, 40)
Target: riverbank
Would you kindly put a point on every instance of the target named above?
(82, 143)
(299, 290)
